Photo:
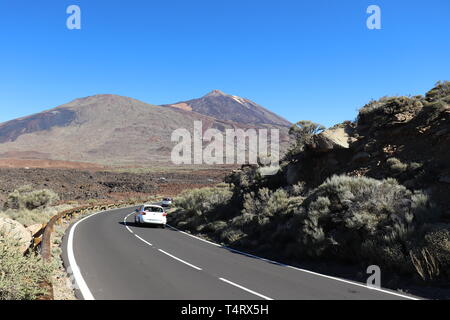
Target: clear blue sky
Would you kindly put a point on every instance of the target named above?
(312, 60)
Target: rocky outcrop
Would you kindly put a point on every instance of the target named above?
(13, 229)
(331, 139)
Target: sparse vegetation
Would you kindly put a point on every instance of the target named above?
(302, 132)
(388, 111)
(345, 218)
(440, 91)
(29, 199)
(29, 206)
(198, 203)
(363, 219)
(396, 165)
(21, 275)
(337, 209)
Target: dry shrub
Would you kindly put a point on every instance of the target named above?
(21, 276)
(363, 219)
(29, 199)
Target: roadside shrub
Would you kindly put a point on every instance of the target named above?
(298, 189)
(39, 215)
(387, 110)
(245, 179)
(431, 258)
(363, 219)
(20, 276)
(29, 199)
(265, 204)
(441, 90)
(199, 201)
(396, 165)
(229, 236)
(215, 226)
(415, 166)
(195, 204)
(302, 133)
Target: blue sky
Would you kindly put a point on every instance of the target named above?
(313, 60)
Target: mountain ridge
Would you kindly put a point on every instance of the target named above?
(231, 107)
(106, 129)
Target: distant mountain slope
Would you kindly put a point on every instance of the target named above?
(228, 107)
(106, 129)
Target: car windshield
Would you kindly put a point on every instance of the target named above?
(153, 209)
(167, 199)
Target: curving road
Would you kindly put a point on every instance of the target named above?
(112, 259)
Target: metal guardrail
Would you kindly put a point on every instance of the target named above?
(41, 242)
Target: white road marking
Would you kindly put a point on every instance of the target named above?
(145, 241)
(299, 269)
(125, 222)
(87, 294)
(354, 283)
(245, 289)
(82, 286)
(178, 259)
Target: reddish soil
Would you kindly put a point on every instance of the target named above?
(38, 163)
(83, 184)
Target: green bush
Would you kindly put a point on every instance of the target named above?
(301, 134)
(197, 203)
(396, 165)
(384, 112)
(245, 179)
(363, 219)
(39, 215)
(265, 204)
(441, 90)
(431, 257)
(20, 276)
(29, 199)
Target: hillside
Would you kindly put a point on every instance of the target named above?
(105, 129)
(372, 191)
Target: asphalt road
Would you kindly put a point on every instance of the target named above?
(112, 259)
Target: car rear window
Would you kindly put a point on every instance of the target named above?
(153, 209)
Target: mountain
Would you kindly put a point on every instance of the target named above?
(106, 129)
(232, 108)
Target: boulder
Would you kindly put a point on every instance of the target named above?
(334, 138)
(35, 228)
(13, 229)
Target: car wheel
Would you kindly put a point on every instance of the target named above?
(163, 226)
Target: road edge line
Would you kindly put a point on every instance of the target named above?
(79, 280)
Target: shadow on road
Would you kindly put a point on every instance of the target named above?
(139, 225)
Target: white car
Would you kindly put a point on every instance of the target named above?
(166, 202)
(151, 214)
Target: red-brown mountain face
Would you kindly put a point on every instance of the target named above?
(233, 108)
(112, 130)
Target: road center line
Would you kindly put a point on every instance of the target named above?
(178, 259)
(245, 289)
(299, 269)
